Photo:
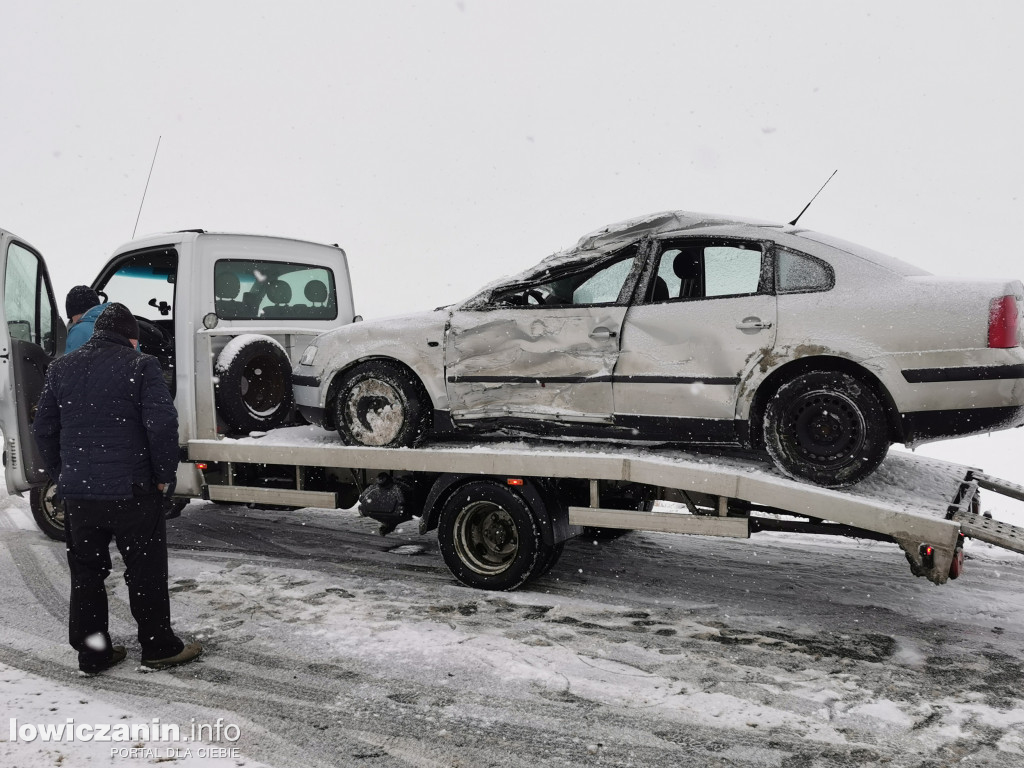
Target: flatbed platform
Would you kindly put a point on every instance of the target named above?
(924, 505)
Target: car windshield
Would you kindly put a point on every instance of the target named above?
(882, 260)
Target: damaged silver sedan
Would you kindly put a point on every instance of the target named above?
(691, 328)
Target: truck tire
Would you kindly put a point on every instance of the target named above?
(254, 384)
(381, 404)
(47, 511)
(491, 539)
(827, 427)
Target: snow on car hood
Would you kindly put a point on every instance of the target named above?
(406, 337)
(366, 337)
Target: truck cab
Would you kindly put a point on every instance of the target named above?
(227, 315)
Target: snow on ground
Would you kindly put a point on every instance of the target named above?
(329, 645)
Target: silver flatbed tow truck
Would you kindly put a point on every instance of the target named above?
(503, 510)
(229, 315)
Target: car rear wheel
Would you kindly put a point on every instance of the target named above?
(381, 404)
(827, 427)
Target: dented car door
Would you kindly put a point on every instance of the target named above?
(706, 316)
(541, 348)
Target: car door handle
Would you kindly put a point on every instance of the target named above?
(752, 324)
(602, 333)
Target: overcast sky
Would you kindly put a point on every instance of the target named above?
(444, 144)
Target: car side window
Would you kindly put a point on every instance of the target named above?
(599, 284)
(702, 271)
(799, 273)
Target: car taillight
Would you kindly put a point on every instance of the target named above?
(1002, 323)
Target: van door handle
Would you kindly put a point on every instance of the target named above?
(602, 333)
(752, 324)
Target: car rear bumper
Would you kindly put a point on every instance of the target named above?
(921, 426)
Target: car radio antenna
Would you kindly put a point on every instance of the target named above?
(794, 221)
(144, 191)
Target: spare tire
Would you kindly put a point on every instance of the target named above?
(253, 383)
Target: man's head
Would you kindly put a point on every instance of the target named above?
(117, 318)
(80, 300)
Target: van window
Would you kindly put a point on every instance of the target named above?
(273, 290)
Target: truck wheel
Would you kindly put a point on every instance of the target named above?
(490, 538)
(827, 427)
(381, 404)
(47, 511)
(554, 553)
(254, 383)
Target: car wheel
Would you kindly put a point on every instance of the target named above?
(827, 427)
(254, 384)
(381, 404)
(47, 511)
(490, 539)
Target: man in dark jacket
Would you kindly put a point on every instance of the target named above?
(108, 432)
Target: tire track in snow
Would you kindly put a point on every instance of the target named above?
(36, 576)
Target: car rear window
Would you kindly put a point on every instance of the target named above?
(891, 263)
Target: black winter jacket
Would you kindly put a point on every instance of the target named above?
(106, 424)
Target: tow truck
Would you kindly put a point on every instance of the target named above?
(228, 315)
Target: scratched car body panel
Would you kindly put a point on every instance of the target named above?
(686, 327)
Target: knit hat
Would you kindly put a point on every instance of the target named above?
(81, 299)
(117, 318)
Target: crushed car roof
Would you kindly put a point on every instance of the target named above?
(664, 223)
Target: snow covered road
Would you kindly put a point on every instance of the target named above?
(329, 645)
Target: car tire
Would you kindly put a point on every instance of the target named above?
(47, 511)
(382, 405)
(827, 427)
(490, 539)
(253, 384)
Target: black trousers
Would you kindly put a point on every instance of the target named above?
(138, 528)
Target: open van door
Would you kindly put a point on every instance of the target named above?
(32, 334)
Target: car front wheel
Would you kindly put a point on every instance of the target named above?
(827, 427)
(381, 404)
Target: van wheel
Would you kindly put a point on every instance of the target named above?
(826, 427)
(47, 511)
(490, 539)
(254, 384)
(381, 404)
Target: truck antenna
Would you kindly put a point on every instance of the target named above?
(144, 191)
(794, 221)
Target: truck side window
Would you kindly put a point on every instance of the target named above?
(273, 290)
(28, 300)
